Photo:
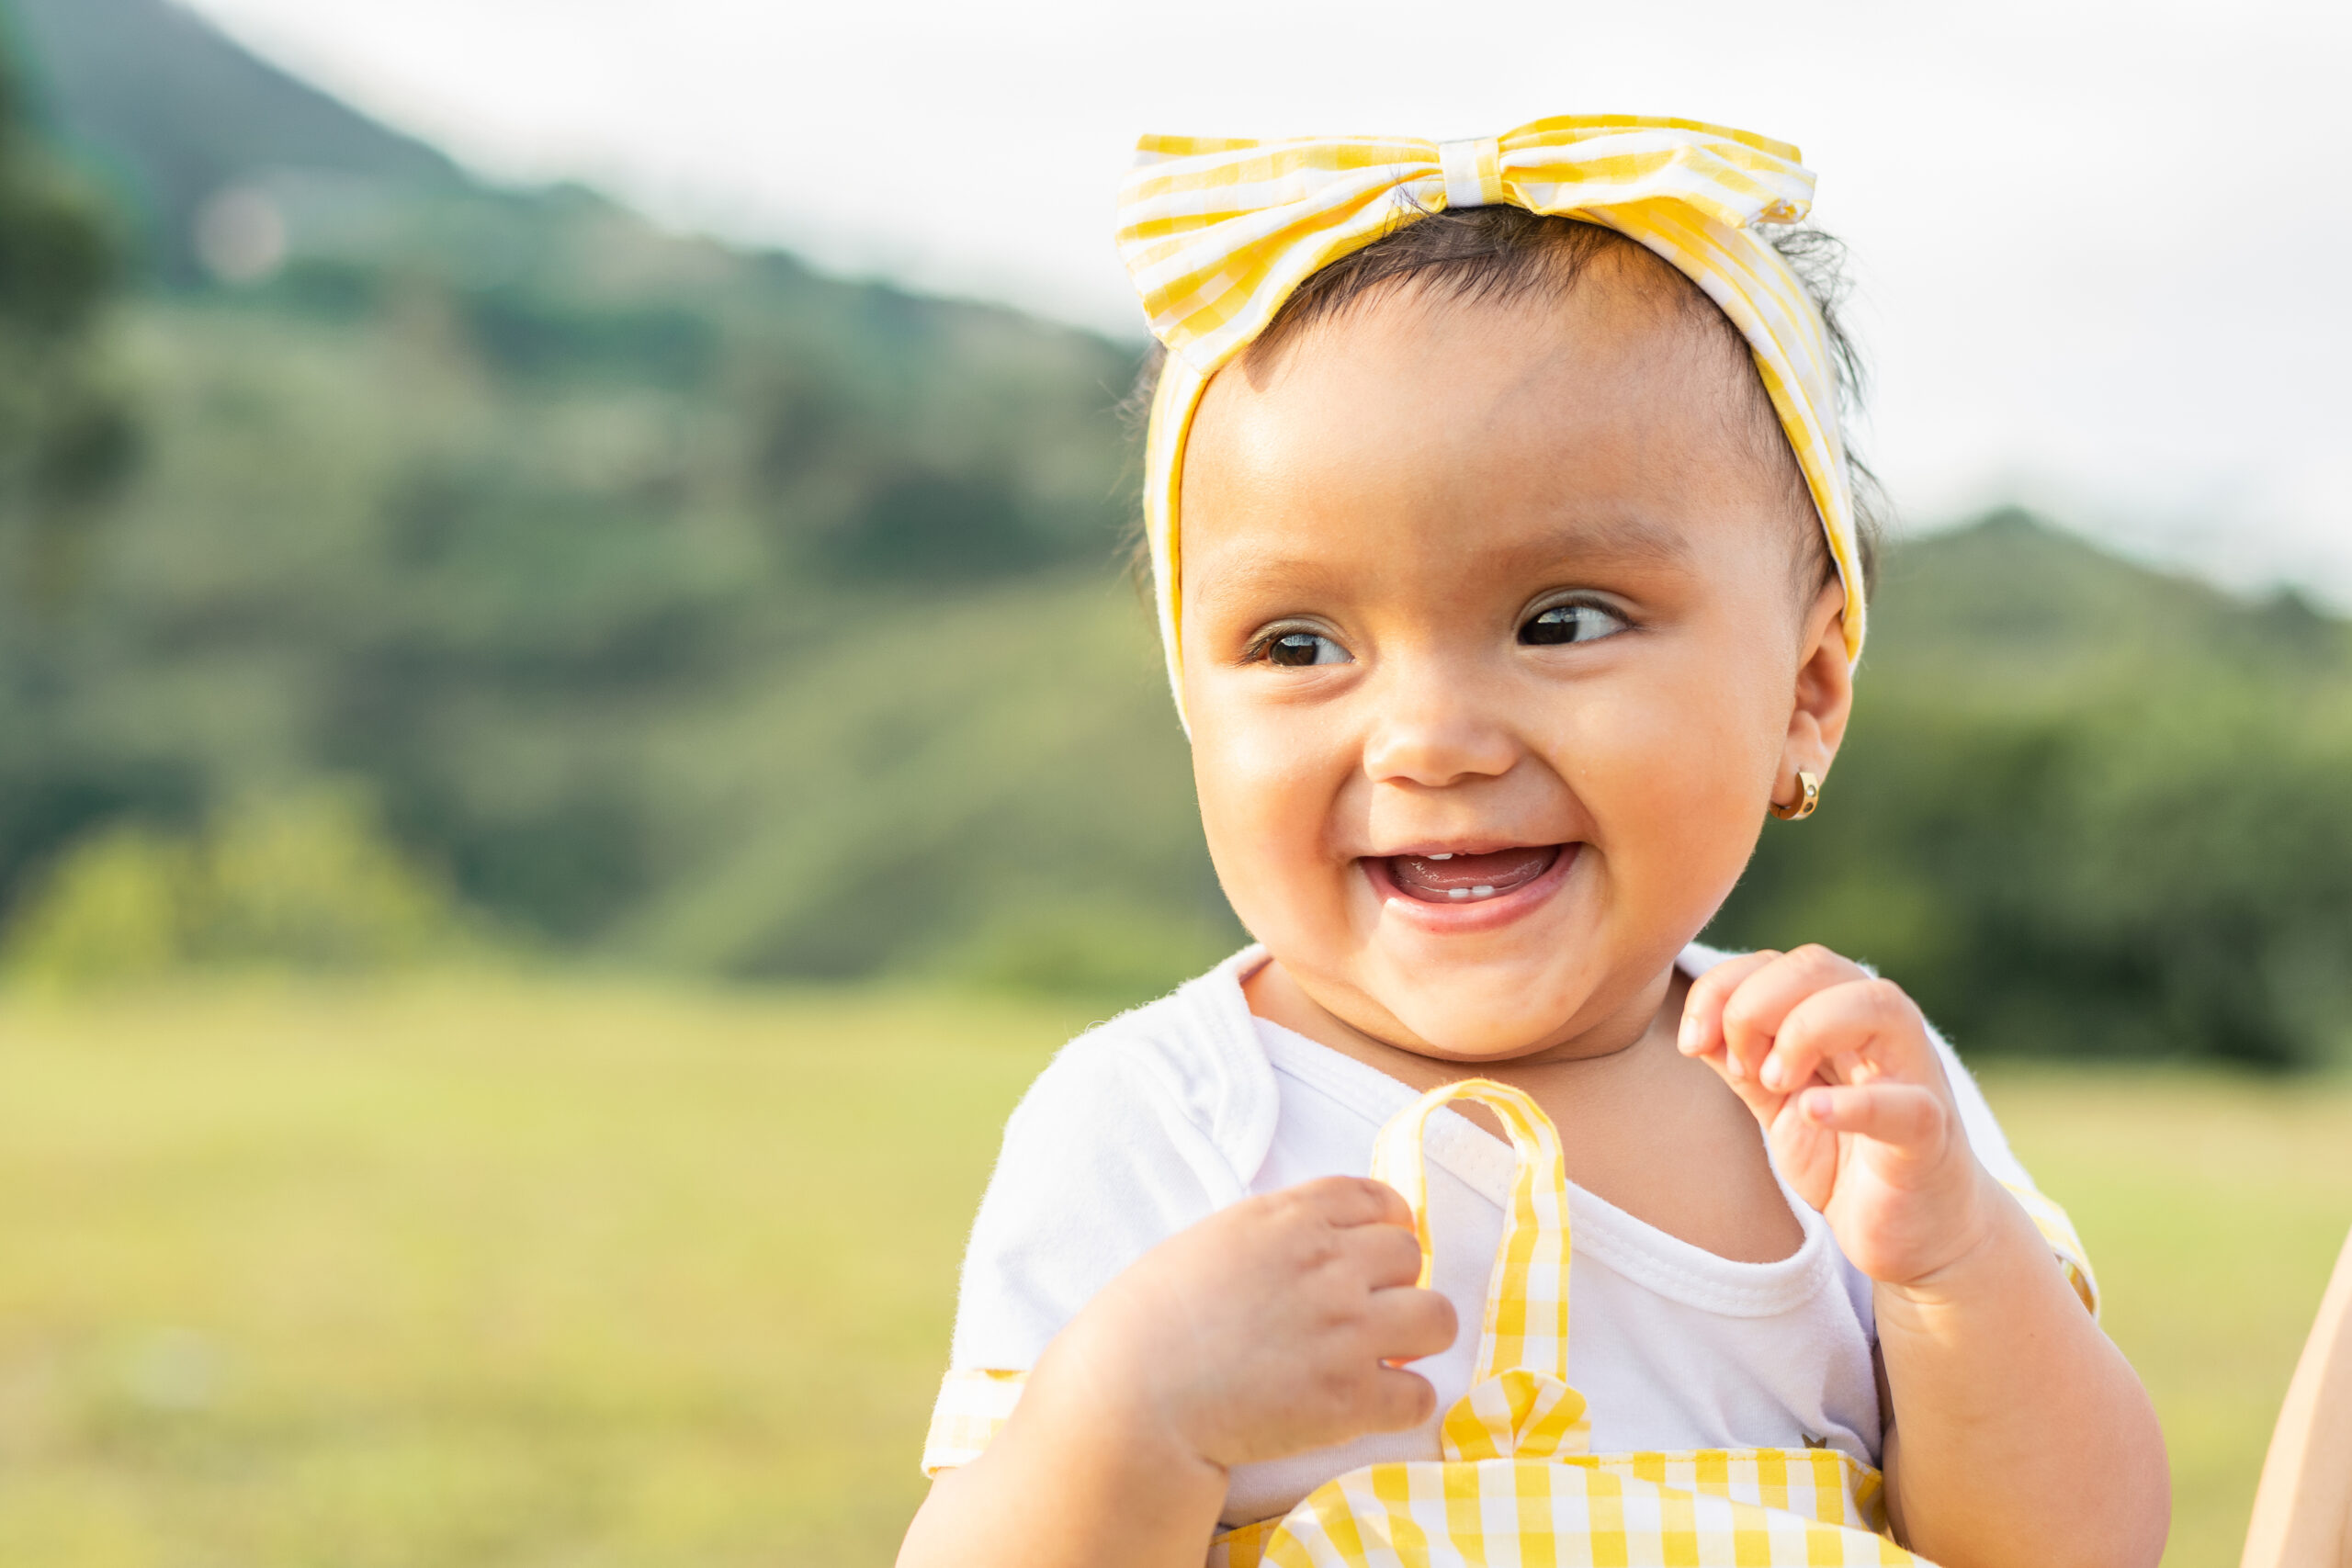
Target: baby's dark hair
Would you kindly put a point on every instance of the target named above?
(1493, 254)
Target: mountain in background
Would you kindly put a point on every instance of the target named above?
(654, 591)
(170, 114)
(661, 602)
(255, 189)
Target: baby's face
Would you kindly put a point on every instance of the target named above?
(1495, 648)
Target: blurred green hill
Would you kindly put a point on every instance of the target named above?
(663, 600)
(168, 115)
(499, 567)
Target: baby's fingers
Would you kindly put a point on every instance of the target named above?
(1755, 1014)
(1385, 1256)
(1349, 1201)
(1905, 1116)
(1865, 1028)
(1396, 1401)
(1410, 1323)
(1703, 1010)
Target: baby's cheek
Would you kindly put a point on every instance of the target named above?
(1267, 793)
(1675, 788)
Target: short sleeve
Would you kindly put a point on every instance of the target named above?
(1992, 1150)
(1102, 1160)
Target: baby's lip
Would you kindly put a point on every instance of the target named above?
(1444, 875)
(1436, 848)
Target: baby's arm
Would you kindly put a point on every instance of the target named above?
(2020, 1434)
(1264, 1330)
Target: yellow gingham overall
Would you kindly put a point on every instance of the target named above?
(1518, 1487)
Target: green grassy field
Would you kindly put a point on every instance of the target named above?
(456, 1273)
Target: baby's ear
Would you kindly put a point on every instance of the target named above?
(1824, 696)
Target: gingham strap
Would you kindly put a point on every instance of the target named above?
(1520, 1405)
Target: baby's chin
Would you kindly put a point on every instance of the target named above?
(1474, 1014)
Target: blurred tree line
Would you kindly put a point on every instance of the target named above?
(2085, 808)
(65, 436)
(398, 567)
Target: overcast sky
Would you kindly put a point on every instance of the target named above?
(2102, 248)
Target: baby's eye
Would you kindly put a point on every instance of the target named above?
(1304, 647)
(1572, 623)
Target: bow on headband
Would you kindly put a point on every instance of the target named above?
(1216, 233)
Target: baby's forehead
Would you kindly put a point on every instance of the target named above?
(1596, 392)
(1486, 435)
(1538, 377)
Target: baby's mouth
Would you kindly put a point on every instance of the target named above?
(1462, 879)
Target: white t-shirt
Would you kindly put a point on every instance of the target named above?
(1146, 1124)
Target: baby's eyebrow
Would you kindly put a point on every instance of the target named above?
(1625, 541)
(1247, 569)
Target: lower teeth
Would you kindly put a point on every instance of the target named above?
(1469, 892)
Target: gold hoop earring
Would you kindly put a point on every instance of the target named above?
(1808, 797)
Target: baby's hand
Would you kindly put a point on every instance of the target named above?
(1838, 1067)
(1267, 1328)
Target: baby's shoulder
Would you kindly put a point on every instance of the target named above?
(1185, 1073)
(1137, 1129)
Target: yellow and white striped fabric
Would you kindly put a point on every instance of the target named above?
(1516, 1487)
(1217, 232)
(974, 1404)
(2058, 1231)
(1769, 1507)
(1519, 1404)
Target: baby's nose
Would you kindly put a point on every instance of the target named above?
(1435, 739)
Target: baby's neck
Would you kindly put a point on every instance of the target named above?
(1647, 1022)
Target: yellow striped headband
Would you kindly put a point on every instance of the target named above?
(1218, 233)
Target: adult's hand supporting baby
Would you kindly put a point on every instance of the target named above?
(2003, 1394)
(1266, 1329)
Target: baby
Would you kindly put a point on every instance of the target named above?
(1517, 578)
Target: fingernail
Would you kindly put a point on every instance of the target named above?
(1816, 1104)
(1773, 1073)
(1688, 1039)
(1733, 1065)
